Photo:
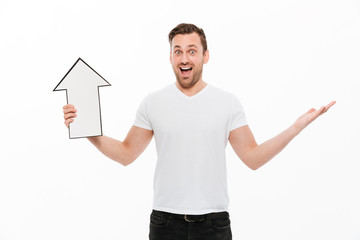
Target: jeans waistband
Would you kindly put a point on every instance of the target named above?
(193, 218)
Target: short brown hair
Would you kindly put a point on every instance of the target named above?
(187, 28)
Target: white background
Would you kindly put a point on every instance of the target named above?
(279, 57)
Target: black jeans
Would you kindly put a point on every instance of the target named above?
(168, 226)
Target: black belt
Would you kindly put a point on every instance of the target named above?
(193, 218)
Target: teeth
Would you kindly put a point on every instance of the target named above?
(186, 68)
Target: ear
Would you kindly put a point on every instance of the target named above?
(206, 57)
(170, 56)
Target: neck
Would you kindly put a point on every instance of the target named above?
(192, 90)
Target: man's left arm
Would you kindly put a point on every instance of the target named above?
(253, 155)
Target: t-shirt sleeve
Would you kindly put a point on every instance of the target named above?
(238, 118)
(142, 120)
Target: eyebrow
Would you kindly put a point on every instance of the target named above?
(189, 46)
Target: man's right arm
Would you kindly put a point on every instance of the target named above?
(123, 152)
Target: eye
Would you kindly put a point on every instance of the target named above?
(177, 52)
(192, 51)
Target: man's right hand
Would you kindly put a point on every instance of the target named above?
(69, 114)
(124, 152)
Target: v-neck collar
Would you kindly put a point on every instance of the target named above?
(193, 96)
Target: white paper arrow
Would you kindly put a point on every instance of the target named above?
(81, 84)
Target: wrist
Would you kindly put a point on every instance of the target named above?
(295, 130)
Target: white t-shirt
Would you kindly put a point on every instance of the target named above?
(191, 134)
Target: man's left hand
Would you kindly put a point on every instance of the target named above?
(304, 120)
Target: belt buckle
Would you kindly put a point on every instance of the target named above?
(191, 221)
(188, 220)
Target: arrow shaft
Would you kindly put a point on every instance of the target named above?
(88, 119)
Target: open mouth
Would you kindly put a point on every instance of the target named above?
(185, 70)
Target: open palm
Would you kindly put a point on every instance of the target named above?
(305, 119)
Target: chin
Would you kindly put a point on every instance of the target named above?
(188, 83)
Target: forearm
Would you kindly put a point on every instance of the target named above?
(254, 155)
(264, 152)
(112, 148)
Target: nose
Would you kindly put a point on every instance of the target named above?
(184, 59)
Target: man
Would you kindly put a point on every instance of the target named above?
(192, 122)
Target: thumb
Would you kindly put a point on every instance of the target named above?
(311, 110)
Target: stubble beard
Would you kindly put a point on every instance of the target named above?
(190, 81)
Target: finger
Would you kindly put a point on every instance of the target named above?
(322, 110)
(316, 113)
(68, 106)
(69, 110)
(69, 115)
(330, 105)
(68, 121)
(311, 110)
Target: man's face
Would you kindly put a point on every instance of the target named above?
(187, 59)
